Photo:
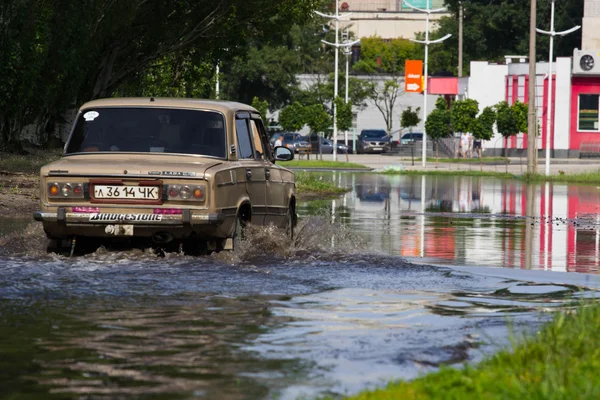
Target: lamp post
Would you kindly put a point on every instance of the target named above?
(426, 42)
(549, 108)
(336, 45)
(347, 53)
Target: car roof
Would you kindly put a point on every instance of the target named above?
(168, 102)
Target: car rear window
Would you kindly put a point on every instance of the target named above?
(149, 130)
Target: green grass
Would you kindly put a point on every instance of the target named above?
(29, 163)
(561, 362)
(309, 183)
(466, 172)
(584, 177)
(321, 164)
(483, 160)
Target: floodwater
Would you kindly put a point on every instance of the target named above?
(476, 221)
(351, 303)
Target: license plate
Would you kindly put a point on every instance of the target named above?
(126, 192)
(377, 148)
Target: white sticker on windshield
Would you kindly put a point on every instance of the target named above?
(90, 115)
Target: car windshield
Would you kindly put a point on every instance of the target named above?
(373, 134)
(149, 130)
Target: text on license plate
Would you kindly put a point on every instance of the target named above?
(377, 148)
(126, 192)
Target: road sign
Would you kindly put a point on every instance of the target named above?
(413, 76)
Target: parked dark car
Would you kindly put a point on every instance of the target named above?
(411, 137)
(373, 141)
(327, 147)
(295, 142)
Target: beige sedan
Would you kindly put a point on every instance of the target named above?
(179, 173)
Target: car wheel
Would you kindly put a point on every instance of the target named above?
(238, 232)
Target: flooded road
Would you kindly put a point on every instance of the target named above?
(473, 220)
(338, 310)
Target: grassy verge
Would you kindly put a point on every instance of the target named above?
(309, 185)
(321, 164)
(28, 163)
(584, 177)
(561, 362)
(453, 173)
(484, 160)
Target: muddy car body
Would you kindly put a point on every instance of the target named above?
(168, 170)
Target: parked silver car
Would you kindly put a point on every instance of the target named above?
(327, 147)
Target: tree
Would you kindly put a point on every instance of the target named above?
(317, 118)
(387, 58)
(464, 114)
(410, 118)
(292, 118)
(343, 114)
(321, 91)
(483, 129)
(495, 28)
(510, 120)
(262, 107)
(438, 123)
(384, 97)
(54, 55)
(521, 110)
(384, 56)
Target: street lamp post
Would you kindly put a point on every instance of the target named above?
(549, 107)
(336, 45)
(426, 42)
(347, 53)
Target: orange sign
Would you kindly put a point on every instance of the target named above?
(413, 76)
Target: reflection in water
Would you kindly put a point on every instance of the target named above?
(476, 220)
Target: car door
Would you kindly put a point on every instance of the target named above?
(252, 167)
(277, 202)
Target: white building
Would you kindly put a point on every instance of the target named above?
(388, 19)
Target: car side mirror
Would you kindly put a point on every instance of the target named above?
(283, 154)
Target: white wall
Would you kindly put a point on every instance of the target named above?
(487, 85)
(562, 112)
(591, 25)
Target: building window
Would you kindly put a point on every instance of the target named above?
(587, 116)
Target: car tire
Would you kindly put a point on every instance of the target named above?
(238, 232)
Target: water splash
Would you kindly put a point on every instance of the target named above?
(314, 236)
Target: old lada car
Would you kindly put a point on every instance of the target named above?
(191, 173)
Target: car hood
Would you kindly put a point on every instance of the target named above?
(131, 165)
